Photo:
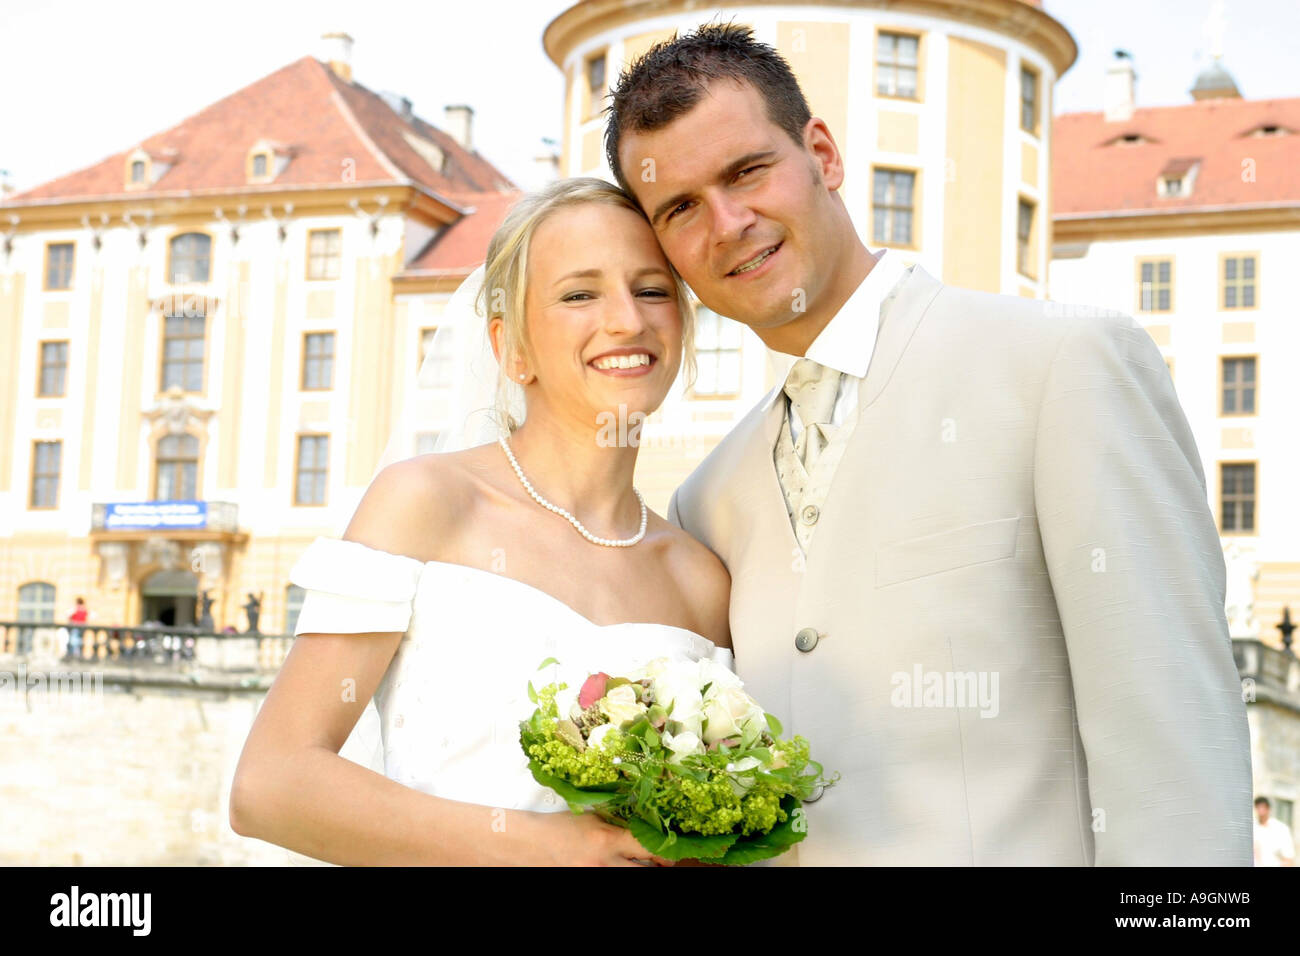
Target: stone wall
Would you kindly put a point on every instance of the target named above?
(126, 774)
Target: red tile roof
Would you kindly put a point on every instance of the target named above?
(461, 247)
(322, 119)
(1094, 174)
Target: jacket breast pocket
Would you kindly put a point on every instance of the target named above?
(946, 551)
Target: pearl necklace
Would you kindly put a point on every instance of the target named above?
(607, 542)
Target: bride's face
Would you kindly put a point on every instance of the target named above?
(599, 289)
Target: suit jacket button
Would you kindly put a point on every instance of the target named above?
(810, 514)
(806, 639)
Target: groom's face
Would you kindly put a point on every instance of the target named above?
(742, 211)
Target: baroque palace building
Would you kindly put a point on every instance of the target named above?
(1188, 218)
(943, 112)
(202, 340)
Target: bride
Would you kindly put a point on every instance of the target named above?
(461, 572)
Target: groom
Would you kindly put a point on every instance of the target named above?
(971, 556)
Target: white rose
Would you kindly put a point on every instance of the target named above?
(728, 713)
(566, 702)
(651, 669)
(678, 690)
(598, 734)
(620, 704)
(682, 745)
(717, 677)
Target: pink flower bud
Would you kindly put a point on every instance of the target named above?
(593, 689)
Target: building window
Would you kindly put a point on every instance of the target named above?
(1024, 238)
(324, 253)
(1238, 386)
(892, 200)
(313, 460)
(191, 258)
(1028, 100)
(426, 442)
(36, 603)
(1237, 498)
(137, 171)
(595, 71)
(293, 601)
(896, 64)
(54, 369)
(35, 606)
(183, 346)
(45, 474)
(259, 165)
(437, 374)
(177, 470)
(717, 355)
(1239, 277)
(1155, 285)
(318, 360)
(58, 265)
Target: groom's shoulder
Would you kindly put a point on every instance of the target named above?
(721, 460)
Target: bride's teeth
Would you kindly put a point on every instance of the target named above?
(623, 361)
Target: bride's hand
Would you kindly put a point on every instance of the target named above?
(569, 839)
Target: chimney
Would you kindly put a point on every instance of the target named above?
(338, 54)
(1120, 83)
(460, 122)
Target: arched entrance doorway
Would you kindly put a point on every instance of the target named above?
(170, 598)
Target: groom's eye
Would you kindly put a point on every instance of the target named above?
(677, 209)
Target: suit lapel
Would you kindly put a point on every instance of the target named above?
(898, 322)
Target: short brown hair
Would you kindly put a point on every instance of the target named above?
(671, 78)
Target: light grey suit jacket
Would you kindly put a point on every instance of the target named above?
(1021, 510)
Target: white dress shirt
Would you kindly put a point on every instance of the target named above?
(849, 339)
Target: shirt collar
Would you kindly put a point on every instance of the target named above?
(849, 339)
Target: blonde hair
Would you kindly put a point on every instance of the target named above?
(505, 272)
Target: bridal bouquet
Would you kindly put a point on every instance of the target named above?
(679, 754)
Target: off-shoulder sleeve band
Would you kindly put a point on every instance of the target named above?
(352, 588)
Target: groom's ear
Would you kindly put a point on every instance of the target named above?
(827, 161)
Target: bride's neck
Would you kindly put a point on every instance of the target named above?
(580, 468)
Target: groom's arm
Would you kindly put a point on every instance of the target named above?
(1137, 570)
(673, 516)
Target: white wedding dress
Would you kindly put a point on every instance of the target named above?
(456, 690)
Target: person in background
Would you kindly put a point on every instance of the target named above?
(1273, 843)
(80, 614)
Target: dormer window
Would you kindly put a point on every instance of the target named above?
(428, 150)
(1176, 179)
(1270, 129)
(144, 167)
(266, 160)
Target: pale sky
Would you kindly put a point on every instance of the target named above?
(80, 81)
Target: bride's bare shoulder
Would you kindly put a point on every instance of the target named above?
(413, 505)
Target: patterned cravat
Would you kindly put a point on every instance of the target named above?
(812, 390)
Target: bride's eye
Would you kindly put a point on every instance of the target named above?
(573, 296)
(660, 293)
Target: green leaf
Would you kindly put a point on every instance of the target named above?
(651, 737)
(573, 796)
(549, 660)
(532, 694)
(764, 846)
(773, 724)
(675, 846)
